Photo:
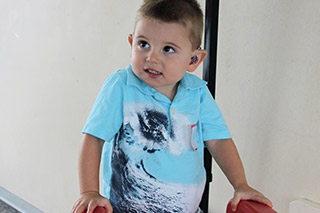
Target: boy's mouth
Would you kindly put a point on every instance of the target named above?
(152, 72)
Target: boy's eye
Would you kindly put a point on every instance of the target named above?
(168, 49)
(143, 44)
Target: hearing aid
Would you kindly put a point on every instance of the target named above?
(194, 60)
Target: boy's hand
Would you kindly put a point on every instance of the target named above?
(89, 201)
(245, 192)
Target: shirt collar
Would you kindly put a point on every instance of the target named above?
(188, 82)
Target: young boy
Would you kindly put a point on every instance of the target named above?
(158, 118)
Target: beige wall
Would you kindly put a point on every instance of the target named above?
(54, 56)
(269, 92)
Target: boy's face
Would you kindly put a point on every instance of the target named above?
(160, 53)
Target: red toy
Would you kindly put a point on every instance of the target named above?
(98, 209)
(248, 206)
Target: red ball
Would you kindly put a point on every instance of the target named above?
(247, 206)
(98, 209)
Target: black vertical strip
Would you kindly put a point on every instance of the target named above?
(209, 75)
(211, 43)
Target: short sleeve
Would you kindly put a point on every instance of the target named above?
(212, 123)
(106, 116)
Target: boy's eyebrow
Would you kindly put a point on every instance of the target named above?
(167, 43)
(173, 44)
(140, 36)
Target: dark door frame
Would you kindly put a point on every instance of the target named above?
(209, 75)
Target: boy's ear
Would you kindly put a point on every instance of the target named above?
(130, 39)
(201, 55)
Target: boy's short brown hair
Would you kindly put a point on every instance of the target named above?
(185, 12)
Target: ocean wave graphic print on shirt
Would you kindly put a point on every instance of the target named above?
(148, 164)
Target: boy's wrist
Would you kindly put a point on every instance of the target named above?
(89, 192)
(240, 185)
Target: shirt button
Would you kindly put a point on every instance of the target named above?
(172, 110)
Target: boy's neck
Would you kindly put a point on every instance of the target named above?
(170, 94)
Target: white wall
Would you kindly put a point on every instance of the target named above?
(269, 92)
(55, 55)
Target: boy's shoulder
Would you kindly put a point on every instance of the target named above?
(119, 76)
(125, 77)
(191, 81)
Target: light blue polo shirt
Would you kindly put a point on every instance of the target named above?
(153, 158)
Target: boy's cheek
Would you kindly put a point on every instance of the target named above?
(136, 59)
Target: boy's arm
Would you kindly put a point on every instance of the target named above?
(89, 166)
(227, 157)
(89, 163)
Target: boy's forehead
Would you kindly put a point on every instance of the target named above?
(146, 22)
(154, 27)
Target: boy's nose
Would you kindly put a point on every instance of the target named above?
(153, 57)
